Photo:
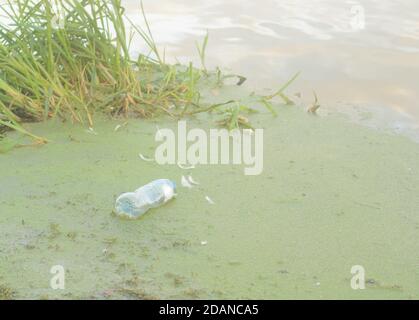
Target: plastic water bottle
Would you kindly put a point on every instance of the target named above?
(152, 195)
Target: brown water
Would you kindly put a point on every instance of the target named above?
(374, 66)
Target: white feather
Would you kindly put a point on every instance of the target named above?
(209, 200)
(185, 183)
(92, 131)
(119, 126)
(192, 181)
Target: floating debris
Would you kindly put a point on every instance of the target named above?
(92, 131)
(209, 200)
(192, 181)
(188, 182)
(204, 243)
(152, 195)
(315, 106)
(119, 126)
(143, 157)
(185, 183)
(185, 167)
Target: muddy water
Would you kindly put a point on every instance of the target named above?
(352, 53)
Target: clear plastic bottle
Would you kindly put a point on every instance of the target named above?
(152, 195)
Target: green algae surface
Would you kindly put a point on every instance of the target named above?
(332, 195)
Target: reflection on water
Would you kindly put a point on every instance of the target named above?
(363, 53)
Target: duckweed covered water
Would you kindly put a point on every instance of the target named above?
(332, 195)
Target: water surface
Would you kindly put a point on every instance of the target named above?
(373, 65)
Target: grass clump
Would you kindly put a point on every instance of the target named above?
(71, 59)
